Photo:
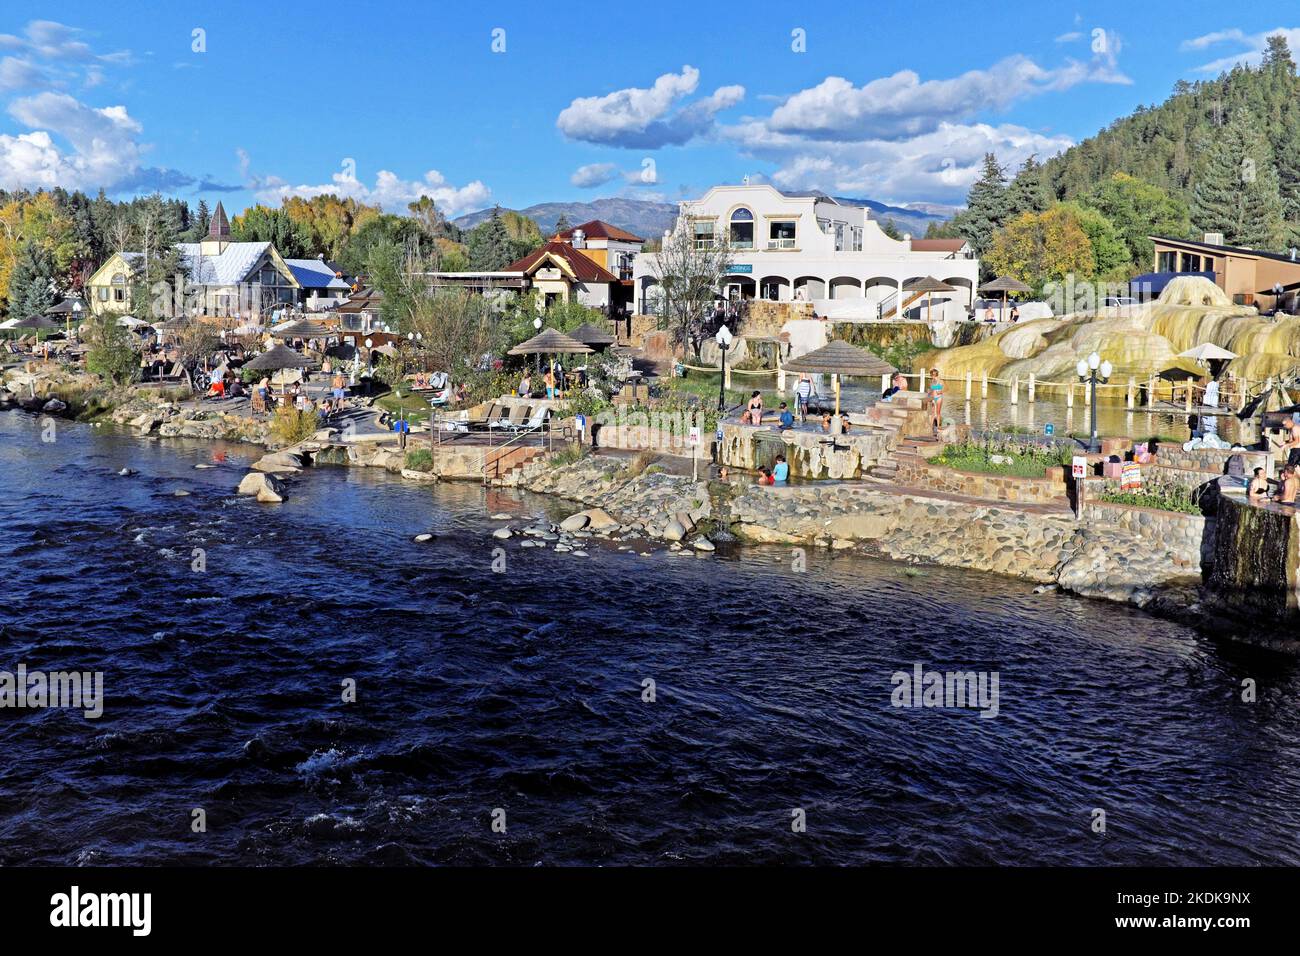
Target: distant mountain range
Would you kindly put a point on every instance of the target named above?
(649, 219)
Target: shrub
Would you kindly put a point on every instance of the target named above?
(565, 456)
(1160, 494)
(290, 426)
(1026, 459)
(110, 355)
(640, 462)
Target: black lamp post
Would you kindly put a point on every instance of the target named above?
(723, 338)
(1094, 372)
(370, 364)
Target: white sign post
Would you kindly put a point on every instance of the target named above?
(694, 440)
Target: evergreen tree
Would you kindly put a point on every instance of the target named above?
(31, 287)
(890, 228)
(562, 224)
(1028, 191)
(490, 246)
(986, 208)
(202, 221)
(1237, 191)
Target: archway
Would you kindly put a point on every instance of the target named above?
(774, 288)
(846, 287)
(807, 288)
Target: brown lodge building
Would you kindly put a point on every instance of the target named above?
(1249, 276)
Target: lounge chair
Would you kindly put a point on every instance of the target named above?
(537, 422)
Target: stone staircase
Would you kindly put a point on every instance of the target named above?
(502, 467)
(904, 418)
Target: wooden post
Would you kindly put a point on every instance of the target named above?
(1015, 390)
(1031, 388)
(921, 385)
(984, 385)
(1188, 405)
(1132, 386)
(884, 383)
(1069, 395)
(968, 378)
(1151, 392)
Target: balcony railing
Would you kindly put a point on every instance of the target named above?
(781, 243)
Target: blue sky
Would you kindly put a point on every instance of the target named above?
(386, 101)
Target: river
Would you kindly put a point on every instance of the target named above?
(522, 691)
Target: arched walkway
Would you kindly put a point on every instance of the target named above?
(846, 287)
(774, 288)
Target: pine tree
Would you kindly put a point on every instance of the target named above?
(1028, 191)
(890, 228)
(31, 287)
(489, 245)
(1236, 190)
(202, 220)
(562, 224)
(986, 208)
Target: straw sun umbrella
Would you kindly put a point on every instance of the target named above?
(929, 285)
(551, 342)
(277, 359)
(838, 358)
(588, 334)
(1004, 284)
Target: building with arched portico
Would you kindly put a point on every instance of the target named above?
(789, 246)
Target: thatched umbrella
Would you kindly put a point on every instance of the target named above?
(588, 334)
(551, 342)
(278, 358)
(929, 285)
(36, 323)
(1004, 284)
(302, 329)
(837, 358)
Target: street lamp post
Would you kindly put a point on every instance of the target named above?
(723, 338)
(76, 311)
(370, 364)
(1093, 371)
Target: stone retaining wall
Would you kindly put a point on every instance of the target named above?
(1182, 533)
(914, 470)
(810, 454)
(1206, 459)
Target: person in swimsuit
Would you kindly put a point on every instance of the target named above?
(936, 400)
(755, 408)
(1257, 490)
(1290, 485)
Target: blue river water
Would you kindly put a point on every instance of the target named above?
(518, 696)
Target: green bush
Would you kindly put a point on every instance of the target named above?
(1027, 459)
(1162, 495)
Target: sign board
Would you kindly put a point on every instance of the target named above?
(547, 275)
(1078, 466)
(581, 421)
(1131, 476)
(718, 435)
(694, 438)
(1049, 429)
(741, 268)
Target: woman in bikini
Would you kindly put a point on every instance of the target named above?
(936, 400)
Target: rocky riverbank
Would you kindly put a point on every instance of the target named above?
(1046, 546)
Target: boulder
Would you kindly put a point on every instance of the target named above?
(703, 544)
(502, 533)
(278, 462)
(575, 522)
(263, 486)
(54, 407)
(685, 521)
(412, 475)
(674, 531)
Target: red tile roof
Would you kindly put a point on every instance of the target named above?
(937, 245)
(579, 265)
(599, 229)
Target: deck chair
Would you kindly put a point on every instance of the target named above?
(506, 417)
(536, 422)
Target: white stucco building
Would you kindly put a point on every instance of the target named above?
(807, 246)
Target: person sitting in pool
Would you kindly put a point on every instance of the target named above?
(1257, 490)
(765, 476)
(787, 417)
(1290, 485)
(780, 470)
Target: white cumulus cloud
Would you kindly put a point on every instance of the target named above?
(641, 118)
(389, 191)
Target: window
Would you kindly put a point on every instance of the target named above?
(780, 234)
(119, 295)
(1167, 262)
(704, 235)
(1191, 263)
(103, 294)
(742, 229)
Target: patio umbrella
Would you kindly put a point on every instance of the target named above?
(1206, 352)
(131, 322)
(837, 358)
(929, 285)
(588, 334)
(38, 323)
(301, 329)
(277, 358)
(551, 342)
(1004, 284)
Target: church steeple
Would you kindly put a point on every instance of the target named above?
(218, 236)
(219, 227)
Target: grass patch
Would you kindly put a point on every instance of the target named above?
(640, 463)
(420, 459)
(704, 385)
(1004, 458)
(565, 456)
(416, 408)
